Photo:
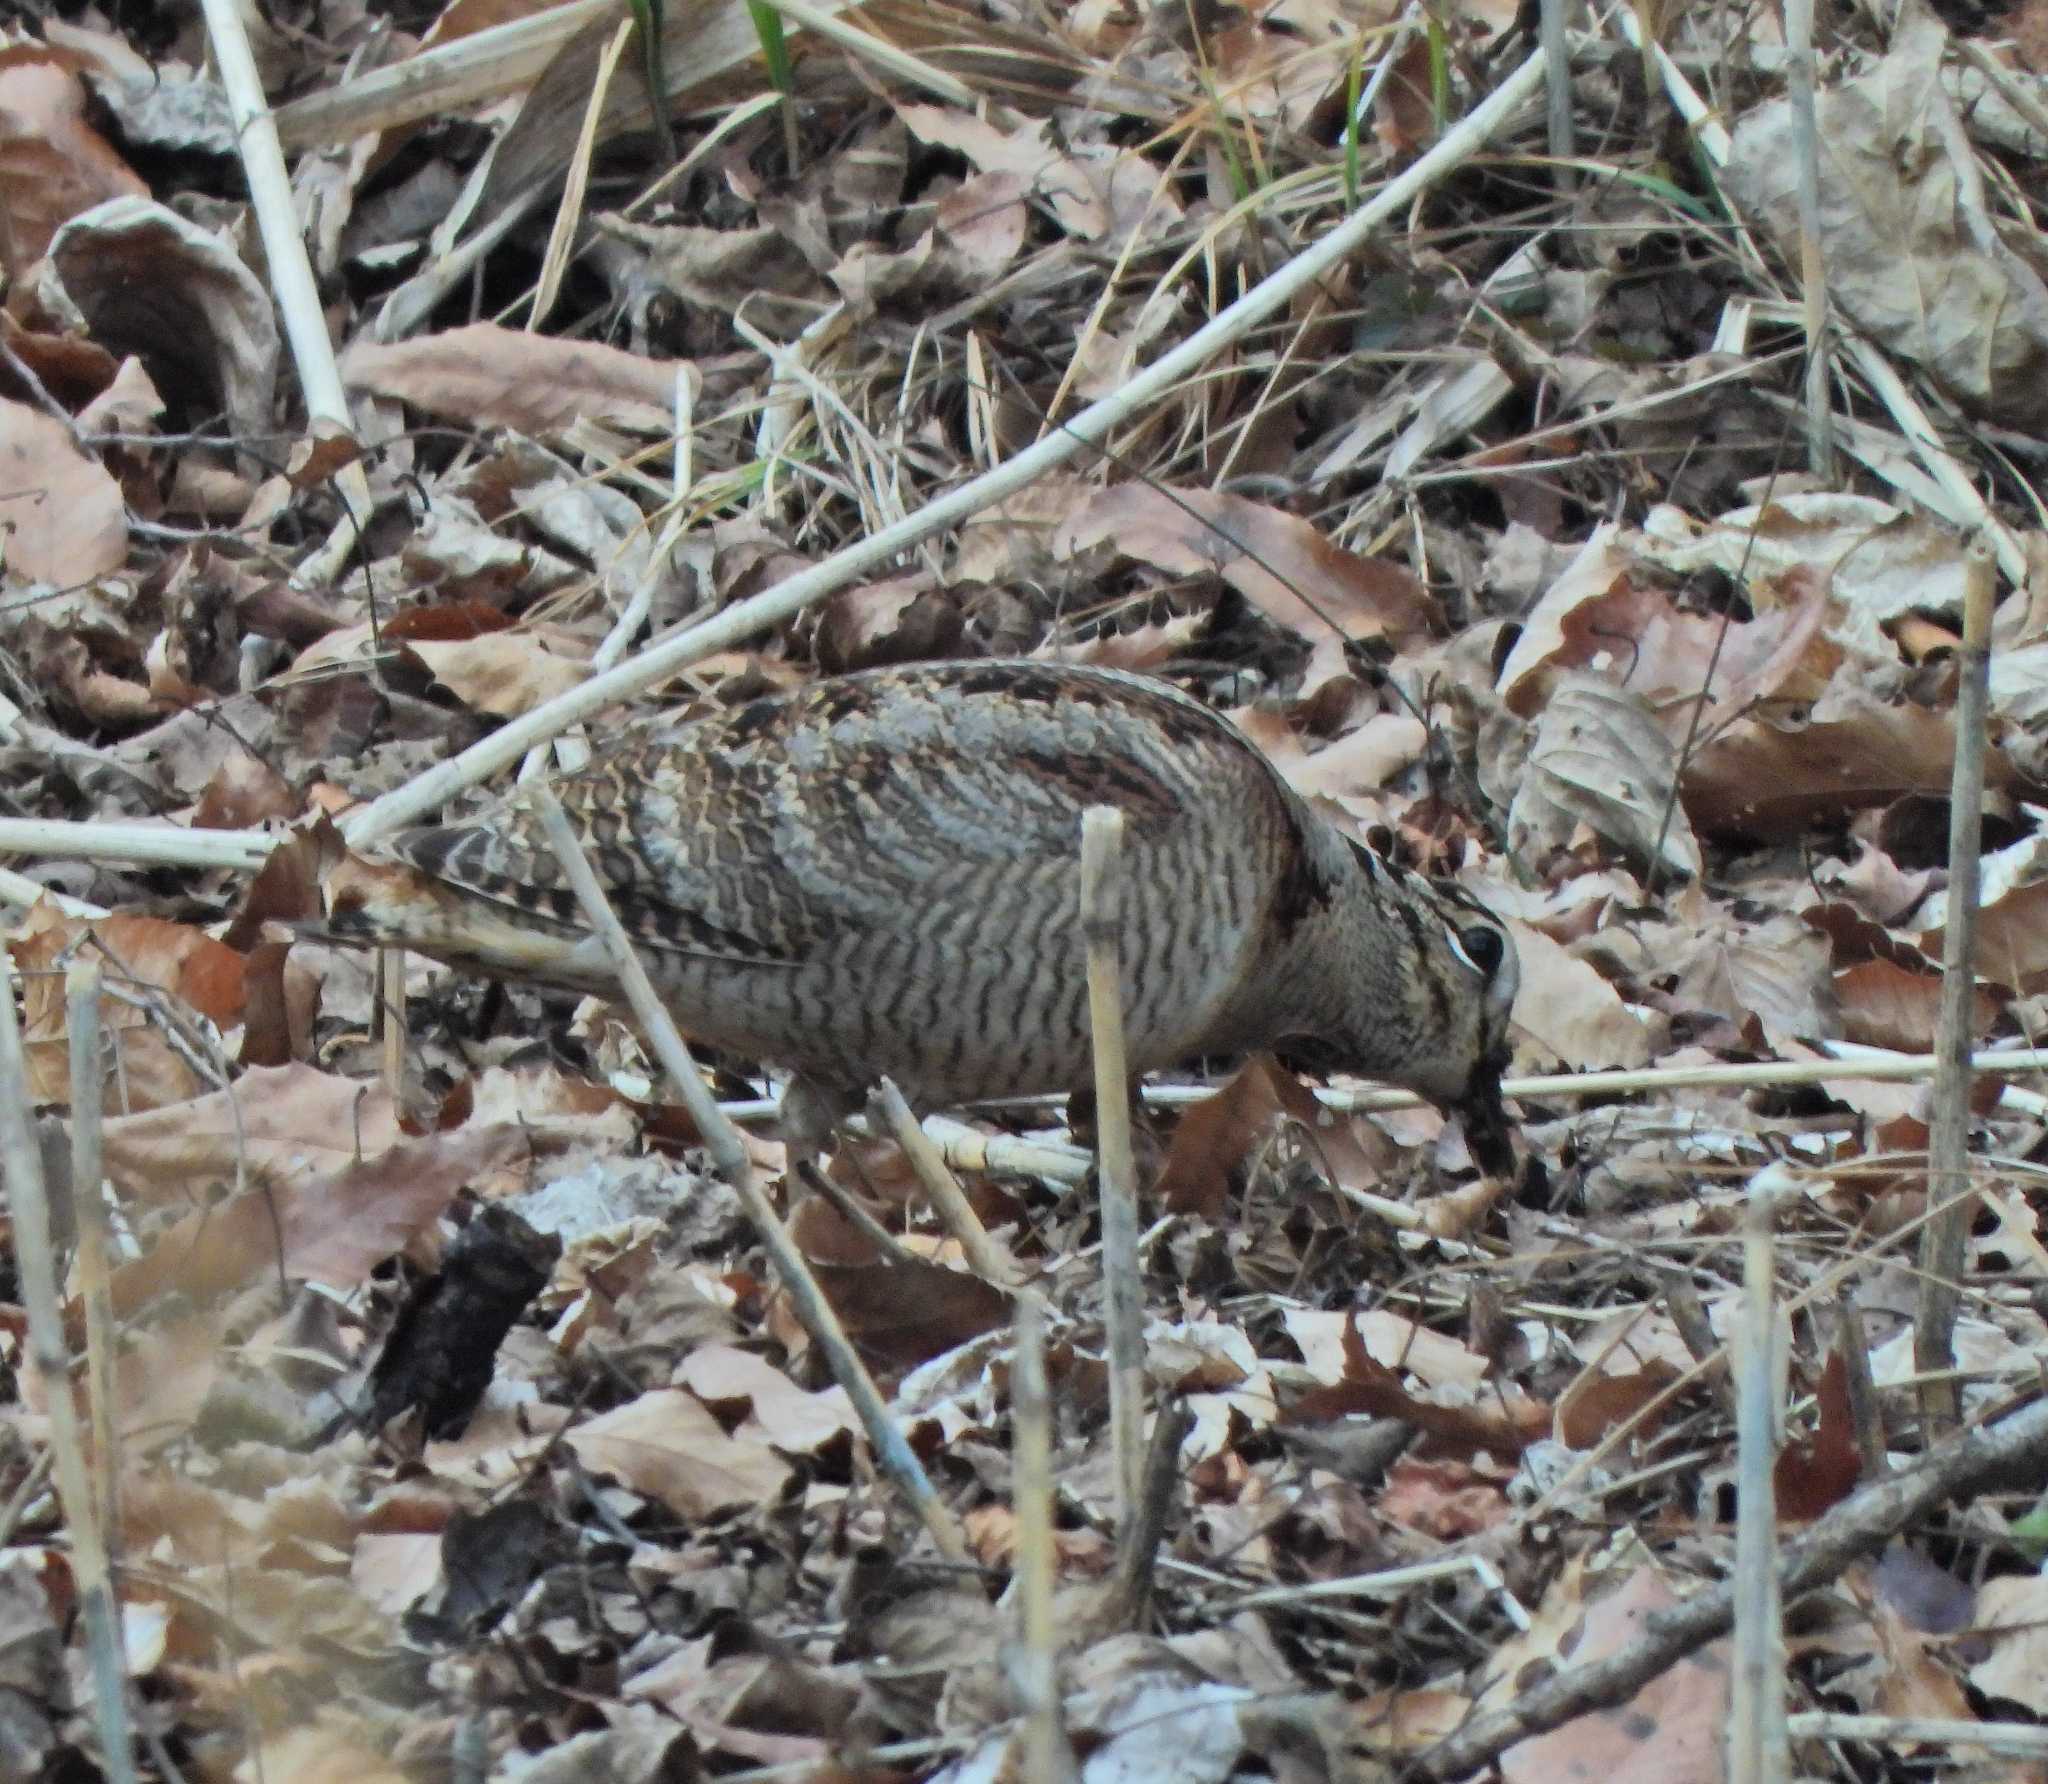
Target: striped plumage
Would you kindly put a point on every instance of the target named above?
(879, 874)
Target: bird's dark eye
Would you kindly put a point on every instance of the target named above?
(1484, 947)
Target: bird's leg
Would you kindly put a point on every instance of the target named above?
(809, 1113)
(1148, 1145)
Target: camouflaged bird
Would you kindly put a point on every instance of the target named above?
(879, 873)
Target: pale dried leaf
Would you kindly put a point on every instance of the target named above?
(1600, 760)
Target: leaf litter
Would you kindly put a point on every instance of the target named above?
(1499, 540)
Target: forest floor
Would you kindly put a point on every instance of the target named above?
(1597, 528)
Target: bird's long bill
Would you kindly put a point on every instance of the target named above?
(1488, 1132)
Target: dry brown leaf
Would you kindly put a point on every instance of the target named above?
(755, 1399)
(1447, 1500)
(1572, 1013)
(1280, 563)
(141, 955)
(1770, 780)
(1435, 1360)
(60, 512)
(1672, 1730)
(486, 376)
(1600, 768)
(334, 1227)
(1500, 1428)
(1814, 1474)
(143, 274)
(53, 164)
(1095, 191)
(669, 1446)
(289, 1127)
(983, 220)
(1773, 974)
(1884, 1004)
(1596, 1404)
(505, 673)
(2012, 937)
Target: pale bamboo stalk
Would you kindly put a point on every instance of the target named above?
(1877, 1068)
(82, 1019)
(2020, 1740)
(291, 273)
(1820, 421)
(1945, 1240)
(1034, 1662)
(728, 1152)
(1553, 24)
(35, 1260)
(141, 845)
(1102, 831)
(18, 888)
(569, 207)
(391, 1010)
(1757, 1749)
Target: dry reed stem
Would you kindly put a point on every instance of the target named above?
(568, 221)
(1554, 25)
(1820, 420)
(292, 285)
(390, 977)
(1102, 831)
(1757, 1749)
(729, 1158)
(1034, 1662)
(2021, 1740)
(82, 1020)
(1944, 1242)
(1852, 1345)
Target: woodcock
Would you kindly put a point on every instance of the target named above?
(879, 873)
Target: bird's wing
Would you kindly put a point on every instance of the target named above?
(776, 831)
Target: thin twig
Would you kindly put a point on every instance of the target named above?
(942, 1189)
(1943, 1243)
(1553, 22)
(2021, 1740)
(1852, 1345)
(292, 284)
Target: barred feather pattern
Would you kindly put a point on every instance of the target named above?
(879, 873)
